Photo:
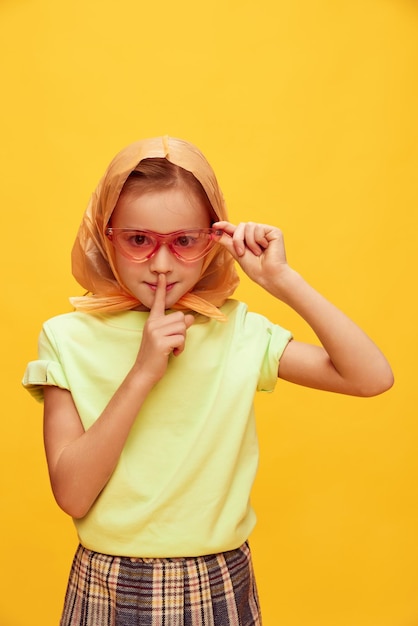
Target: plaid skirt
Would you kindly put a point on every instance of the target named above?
(213, 590)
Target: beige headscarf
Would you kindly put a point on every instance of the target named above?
(93, 257)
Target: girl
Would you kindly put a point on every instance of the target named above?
(148, 392)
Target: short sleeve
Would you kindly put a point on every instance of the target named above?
(278, 339)
(47, 370)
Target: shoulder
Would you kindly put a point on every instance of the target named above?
(79, 320)
(67, 323)
(232, 307)
(63, 319)
(239, 314)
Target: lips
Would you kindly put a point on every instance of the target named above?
(153, 286)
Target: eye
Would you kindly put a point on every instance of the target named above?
(138, 240)
(185, 241)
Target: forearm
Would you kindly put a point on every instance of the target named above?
(356, 359)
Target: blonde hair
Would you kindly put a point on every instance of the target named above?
(151, 163)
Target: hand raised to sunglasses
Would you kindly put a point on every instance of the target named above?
(163, 335)
(259, 249)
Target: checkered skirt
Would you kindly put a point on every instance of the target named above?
(213, 590)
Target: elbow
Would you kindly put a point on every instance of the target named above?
(73, 510)
(75, 507)
(77, 512)
(72, 495)
(377, 385)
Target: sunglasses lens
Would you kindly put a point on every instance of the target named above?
(192, 245)
(137, 245)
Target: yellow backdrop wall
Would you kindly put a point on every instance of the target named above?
(307, 111)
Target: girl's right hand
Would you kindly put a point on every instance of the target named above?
(163, 335)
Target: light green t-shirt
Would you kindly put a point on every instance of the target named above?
(182, 484)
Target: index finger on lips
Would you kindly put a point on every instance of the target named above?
(158, 305)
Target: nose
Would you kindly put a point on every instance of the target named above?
(162, 261)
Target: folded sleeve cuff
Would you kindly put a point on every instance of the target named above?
(40, 373)
(279, 338)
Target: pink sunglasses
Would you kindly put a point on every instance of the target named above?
(141, 245)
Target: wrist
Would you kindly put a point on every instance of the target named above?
(141, 379)
(283, 284)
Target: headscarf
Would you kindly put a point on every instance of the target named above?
(93, 257)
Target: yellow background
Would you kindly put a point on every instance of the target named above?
(308, 112)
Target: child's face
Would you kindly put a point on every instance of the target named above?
(163, 212)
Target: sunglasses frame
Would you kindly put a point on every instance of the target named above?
(164, 239)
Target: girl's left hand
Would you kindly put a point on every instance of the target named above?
(258, 248)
